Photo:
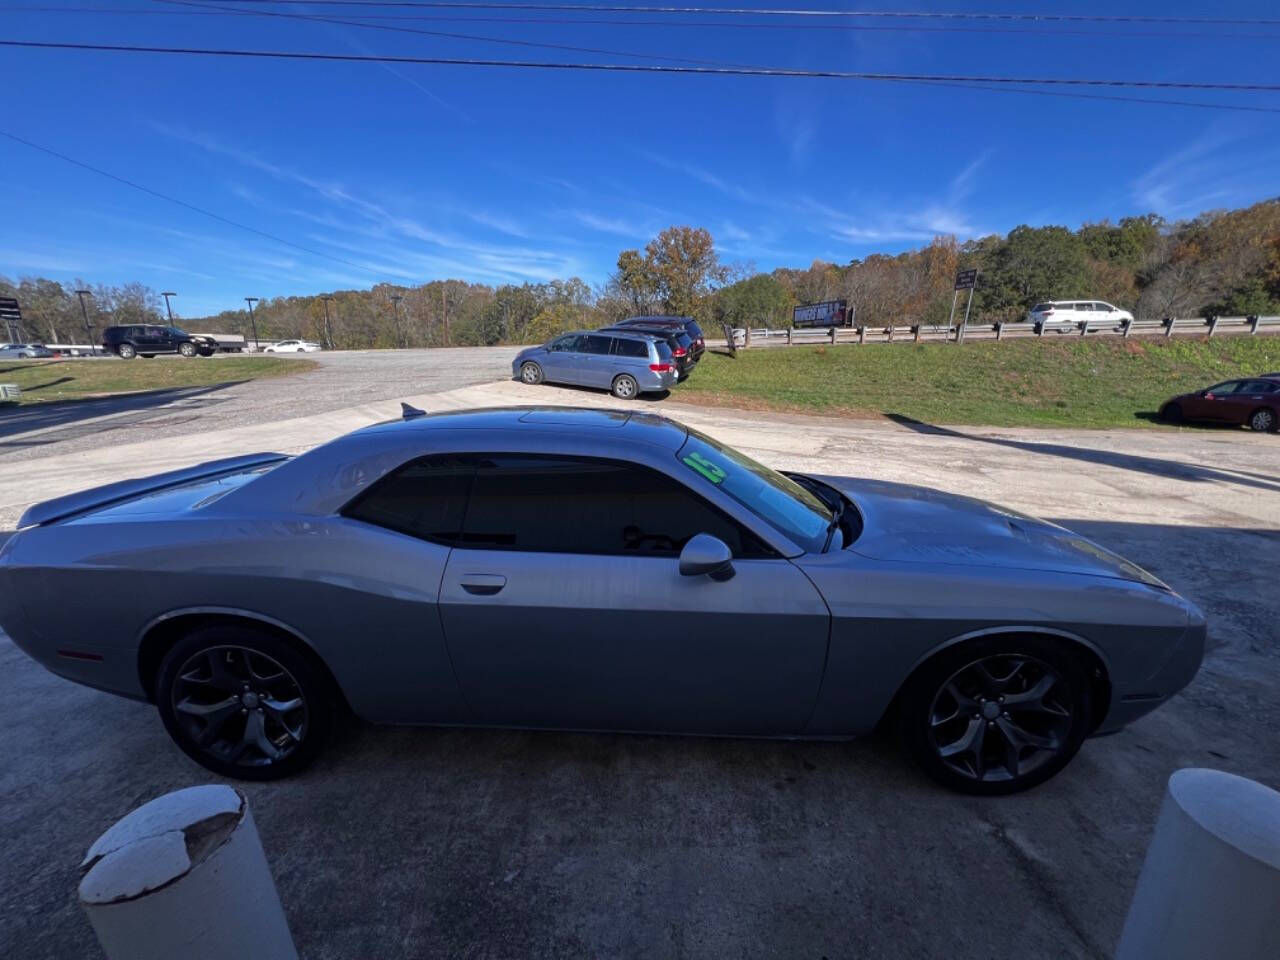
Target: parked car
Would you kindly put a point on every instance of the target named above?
(588, 570)
(625, 364)
(1068, 314)
(149, 339)
(688, 324)
(1252, 401)
(679, 342)
(292, 346)
(24, 351)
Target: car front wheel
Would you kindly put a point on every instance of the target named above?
(1172, 413)
(187, 349)
(244, 703)
(530, 373)
(996, 715)
(1262, 420)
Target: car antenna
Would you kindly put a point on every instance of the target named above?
(409, 412)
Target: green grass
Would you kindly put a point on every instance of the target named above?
(1079, 383)
(46, 380)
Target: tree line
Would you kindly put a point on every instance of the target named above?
(1224, 262)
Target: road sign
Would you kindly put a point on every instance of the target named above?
(11, 318)
(967, 279)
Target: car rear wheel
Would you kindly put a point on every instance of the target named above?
(530, 372)
(1172, 413)
(625, 386)
(1263, 420)
(187, 349)
(126, 352)
(244, 703)
(996, 715)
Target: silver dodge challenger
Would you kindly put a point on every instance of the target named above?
(588, 570)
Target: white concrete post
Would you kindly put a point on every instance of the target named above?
(1210, 886)
(185, 876)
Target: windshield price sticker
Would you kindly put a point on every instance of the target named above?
(707, 468)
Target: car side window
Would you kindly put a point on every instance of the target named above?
(1084, 306)
(597, 344)
(630, 348)
(568, 344)
(1257, 386)
(549, 504)
(424, 498)
(1221, 389)
(1103, 307)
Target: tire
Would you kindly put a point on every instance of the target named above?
(962, 699)
(147, 356)
(625, 387)
(187, 349)
(1263, 420)
(126, 352)
(212, 684)
(1172, 413)
(530, 373)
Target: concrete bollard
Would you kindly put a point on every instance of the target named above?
(1210, 886)
(185, 876)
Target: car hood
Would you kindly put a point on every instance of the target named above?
(918, 525)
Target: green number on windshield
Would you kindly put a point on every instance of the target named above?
(710, 470)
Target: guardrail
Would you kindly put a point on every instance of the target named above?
(918, 332)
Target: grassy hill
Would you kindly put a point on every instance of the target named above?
(1079, 383)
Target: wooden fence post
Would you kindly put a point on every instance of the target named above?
(746, 337)
(999, 325)
(833, 336)
(1124, 328)
(1253, 325)
(1168, 329)
(862, 334)
(1213, 324)
(915, 332)
(788, 336)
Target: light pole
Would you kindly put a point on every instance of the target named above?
(395, 301)
(252, 322)
(84, 311)
(168, 309)
(328, 331)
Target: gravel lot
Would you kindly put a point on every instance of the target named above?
(343, 379)
(425, 843)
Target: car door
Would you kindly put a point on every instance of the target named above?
(560, 361)
(563, 606)
(596, 368)
(1214, 403)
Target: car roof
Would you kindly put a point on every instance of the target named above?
(583, 421)
(630, 334)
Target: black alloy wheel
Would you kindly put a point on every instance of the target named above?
(244, 703)
(997, 717)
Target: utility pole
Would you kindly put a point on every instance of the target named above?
(328, 331)
(444, 310)
(84, 311)
(252, 321)
(395, 302)
(168, 309)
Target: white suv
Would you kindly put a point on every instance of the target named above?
(1068, 314)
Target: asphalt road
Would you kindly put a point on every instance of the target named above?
(342, 379)
(426, 843)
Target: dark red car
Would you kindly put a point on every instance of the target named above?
(1252, 401)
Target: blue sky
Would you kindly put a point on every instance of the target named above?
(411, 172)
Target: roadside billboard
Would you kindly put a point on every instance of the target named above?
(828, 313)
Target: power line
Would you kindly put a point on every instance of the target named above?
(436, 33)
(182, 203)
(780, 72)
(775, 12)
(681, 23)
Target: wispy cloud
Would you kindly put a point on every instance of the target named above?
(612, 225)
(1211, 171)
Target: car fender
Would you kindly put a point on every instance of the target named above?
(1007, 630)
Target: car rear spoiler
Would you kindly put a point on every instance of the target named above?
(62, 507)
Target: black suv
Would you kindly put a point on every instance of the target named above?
(677, 340)
(148, 339)
(687, 324)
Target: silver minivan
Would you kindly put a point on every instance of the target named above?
(625, 364)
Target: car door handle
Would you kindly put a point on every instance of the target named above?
(483, 584)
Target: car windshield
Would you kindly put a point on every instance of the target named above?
(778, 500)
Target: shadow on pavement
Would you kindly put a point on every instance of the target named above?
(19, 420)
(1109, 458)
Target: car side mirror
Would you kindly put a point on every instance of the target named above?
(705, 554)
